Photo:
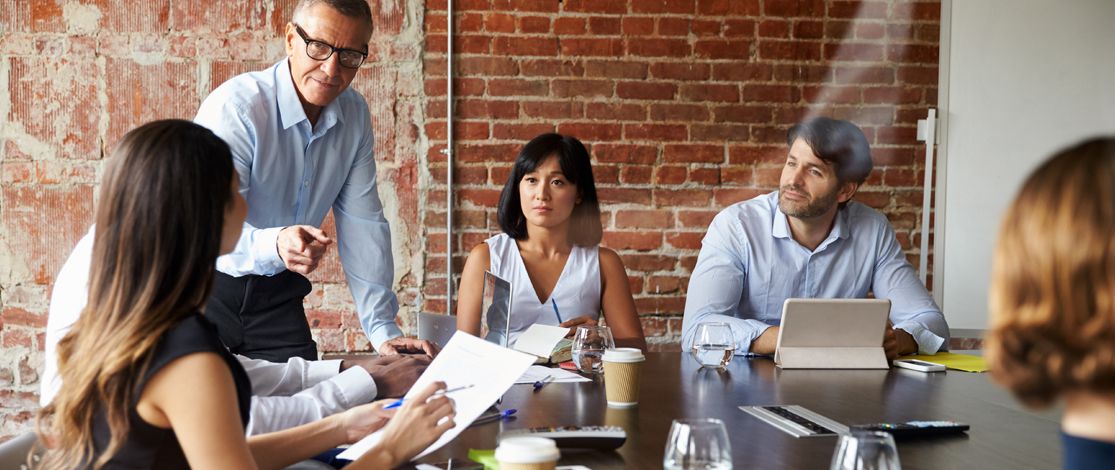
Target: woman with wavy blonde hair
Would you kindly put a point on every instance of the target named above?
(1053, 298)
(147, 382)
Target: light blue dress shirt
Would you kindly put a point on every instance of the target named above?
(750, 264)
(291, 174)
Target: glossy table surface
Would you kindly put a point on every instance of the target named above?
(1002, 435)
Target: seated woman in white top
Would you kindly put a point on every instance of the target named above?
(549, 249)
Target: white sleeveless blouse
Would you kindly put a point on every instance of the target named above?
(577, 292)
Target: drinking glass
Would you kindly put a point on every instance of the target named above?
(865, 450)
(588, 347)
(697, 444)
(713, 345)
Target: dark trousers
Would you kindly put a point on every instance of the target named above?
(262, 317)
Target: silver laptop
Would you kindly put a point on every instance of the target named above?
(495, 306)
(436, 328)
(832, 334)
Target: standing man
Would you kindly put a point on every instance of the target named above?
(301, 141)
(809, 239)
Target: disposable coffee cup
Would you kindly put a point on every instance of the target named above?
(621, 376)
(527, 453)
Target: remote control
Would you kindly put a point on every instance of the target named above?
(916, 428)
(576, 437)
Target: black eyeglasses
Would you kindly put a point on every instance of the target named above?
(317, 50)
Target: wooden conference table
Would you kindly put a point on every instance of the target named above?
(1002, 435)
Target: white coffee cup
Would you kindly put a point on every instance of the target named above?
(527, 453)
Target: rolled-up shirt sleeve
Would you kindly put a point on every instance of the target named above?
(364, 244)
(912, 308)
(343, 391)
(717, 284)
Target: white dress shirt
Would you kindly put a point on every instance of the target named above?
(750, 264)
(283, 395)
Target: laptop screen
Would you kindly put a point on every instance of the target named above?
(496, 308)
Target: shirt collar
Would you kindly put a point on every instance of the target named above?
(781, 228)
(290, 106)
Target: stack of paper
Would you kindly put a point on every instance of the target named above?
(541, 373)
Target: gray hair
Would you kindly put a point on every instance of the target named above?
(351, 8)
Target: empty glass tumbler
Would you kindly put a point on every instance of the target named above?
(589, 343)
(713, 345)
(865, 450)
(698, 444)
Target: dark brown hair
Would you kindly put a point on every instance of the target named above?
(840, 143)
(1052, 296)
(158, 233)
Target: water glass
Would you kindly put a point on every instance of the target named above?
(713, 345)
(697, 444)
(588, 347)
(865, 450)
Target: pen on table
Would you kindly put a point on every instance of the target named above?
(556, 312)
(494, 417)
(399, 402)
(538, 384)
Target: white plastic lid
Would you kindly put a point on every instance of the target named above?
(624, 355)
(527, 450)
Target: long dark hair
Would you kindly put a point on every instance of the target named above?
(584, 227)
(159, 220)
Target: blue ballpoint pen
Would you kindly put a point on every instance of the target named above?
(556, 312)
(494, 417)
(542, 383)
(399, 402)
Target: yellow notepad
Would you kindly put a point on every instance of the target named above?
(964, 362)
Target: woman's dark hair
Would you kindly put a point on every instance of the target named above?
(584, 227)
(840, 143)
(163, 200)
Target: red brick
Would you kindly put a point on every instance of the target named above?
(661, 305)
(623, 196)
(719, 132)
(679, 112)
(49, 221)
(706, 28)
(850, 51)
(648, 263)
(581, 88)
(770, 93)
(519, 132)
(525, 5)
(728, 196)
(534, 24)
(696, 218)
(658, 47)
(594, 6)
(616, 111)
(640, 241)
(480, 197)
(655, 132)
(605, 174)
(739, 28)
(525, 46)
(727, 7)
(469, 23)
(693, 153)
(615, 69)
(682, 197)
(680, 71)
(685, 240)
(663, 6)
(852, 75)
(789, 50)
(831, 94)
(612, 153)
(486, 109)
(704, 176)
(553, 109)
(594, 132)
(498, 23)
(636, 174)
(67, 124)
(870, 31)
(670, 174)
(918, 75)
(604, 25)
(723, 49)
(858, 10)
(769, 28)
(752, 154)
(550, 68)
(646, 90)
(892, 95)
(808, 8)
(484, 152)
(569, 26)
(485, 66)
(742, 113)
(741, 72)
(916, 11)
(637, 26)
(912, 53)
(224, 16)
(710, 92)
(644, 219)
(602, 47)
(518, 87)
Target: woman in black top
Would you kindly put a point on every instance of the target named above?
(1052, 298)
(148, 383)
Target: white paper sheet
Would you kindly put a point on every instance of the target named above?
(540, 339)
(539, 373)
(465, 360)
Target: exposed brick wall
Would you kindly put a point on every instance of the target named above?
(684, 104)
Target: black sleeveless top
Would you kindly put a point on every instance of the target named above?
(148, 446)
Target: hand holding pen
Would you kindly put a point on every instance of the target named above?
(400, 401)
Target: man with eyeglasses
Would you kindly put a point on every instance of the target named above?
(302, 143)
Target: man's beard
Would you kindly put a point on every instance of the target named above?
(813, 208)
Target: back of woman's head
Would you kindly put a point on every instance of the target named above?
(1052, 296)
(158, 233)
(584, 228)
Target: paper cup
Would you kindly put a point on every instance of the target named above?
(621, 376)
(527, 453)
